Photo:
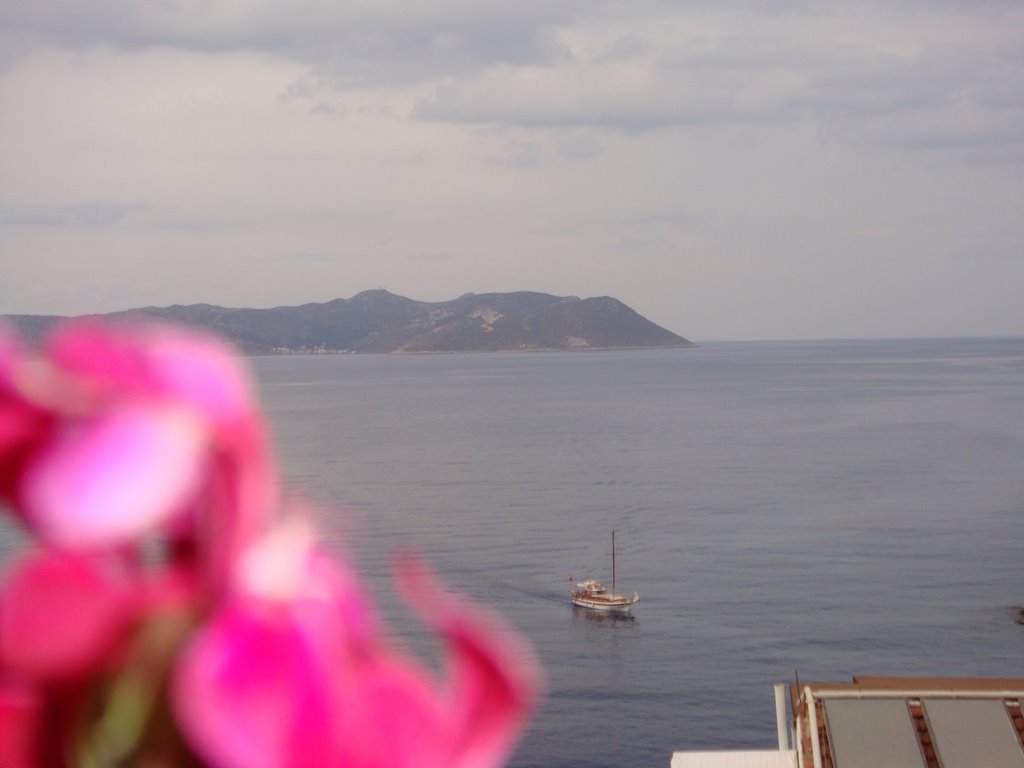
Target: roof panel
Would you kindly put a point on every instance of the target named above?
(872, 733)
(742, 759)
(971, 733)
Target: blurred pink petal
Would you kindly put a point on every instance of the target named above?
(60, 614)
(240, 499)
(189, 367)
(494, 678)
(390, 715)
(22, 429)
(10, 354)
(282, 667)
(20, 422)
(288, 569)
(201, 371)
(113, 364)
(254, 691)
(268, 678)
(258, 684)
(21, 725)
(114, 477)
(127, 431)
(395, 716)
(107, 353)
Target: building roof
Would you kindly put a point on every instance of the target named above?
(904, 722)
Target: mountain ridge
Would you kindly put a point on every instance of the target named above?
(377, 321)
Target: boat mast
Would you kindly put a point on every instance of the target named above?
(613, 563)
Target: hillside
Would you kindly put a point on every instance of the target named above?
(381, 322)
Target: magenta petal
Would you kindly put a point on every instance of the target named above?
(255, 689)
(19, 421)
(494, 676)
(59, 615)
(21, 725)
(356, 615)
(156, 361)
(21, 429)
(391, 716)
(114, 477)
(19, 424)
(104, 354)
(10, 355)
(202, 372)
(496, 686)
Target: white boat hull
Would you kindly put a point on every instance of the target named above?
(607, 604)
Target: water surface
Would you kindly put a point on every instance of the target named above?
(827, 508)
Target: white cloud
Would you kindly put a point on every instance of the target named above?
(835, 67)
(85, 215)
(354, 43)
(732, 169)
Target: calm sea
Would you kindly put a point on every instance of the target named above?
(826, 508)
(821, 508)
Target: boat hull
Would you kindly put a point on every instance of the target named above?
(615, 604)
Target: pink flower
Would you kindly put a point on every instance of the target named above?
(493, 677)
(20, 421)
(125, 430)
(106, 479)
(61, 613)
(64, 621)
(166, 617)
(155, 361)
(301, 676)
(21, 726)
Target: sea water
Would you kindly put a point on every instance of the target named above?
(824, 509)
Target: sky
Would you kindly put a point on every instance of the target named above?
(730, 169)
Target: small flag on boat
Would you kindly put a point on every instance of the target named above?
(570, 578)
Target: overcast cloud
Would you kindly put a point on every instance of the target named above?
(729, 169)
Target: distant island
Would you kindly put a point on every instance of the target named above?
(381, 322)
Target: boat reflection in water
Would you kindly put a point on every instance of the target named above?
(589, 614)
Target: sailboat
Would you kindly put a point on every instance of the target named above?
(592, 594)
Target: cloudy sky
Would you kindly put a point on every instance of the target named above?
(731, 169)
